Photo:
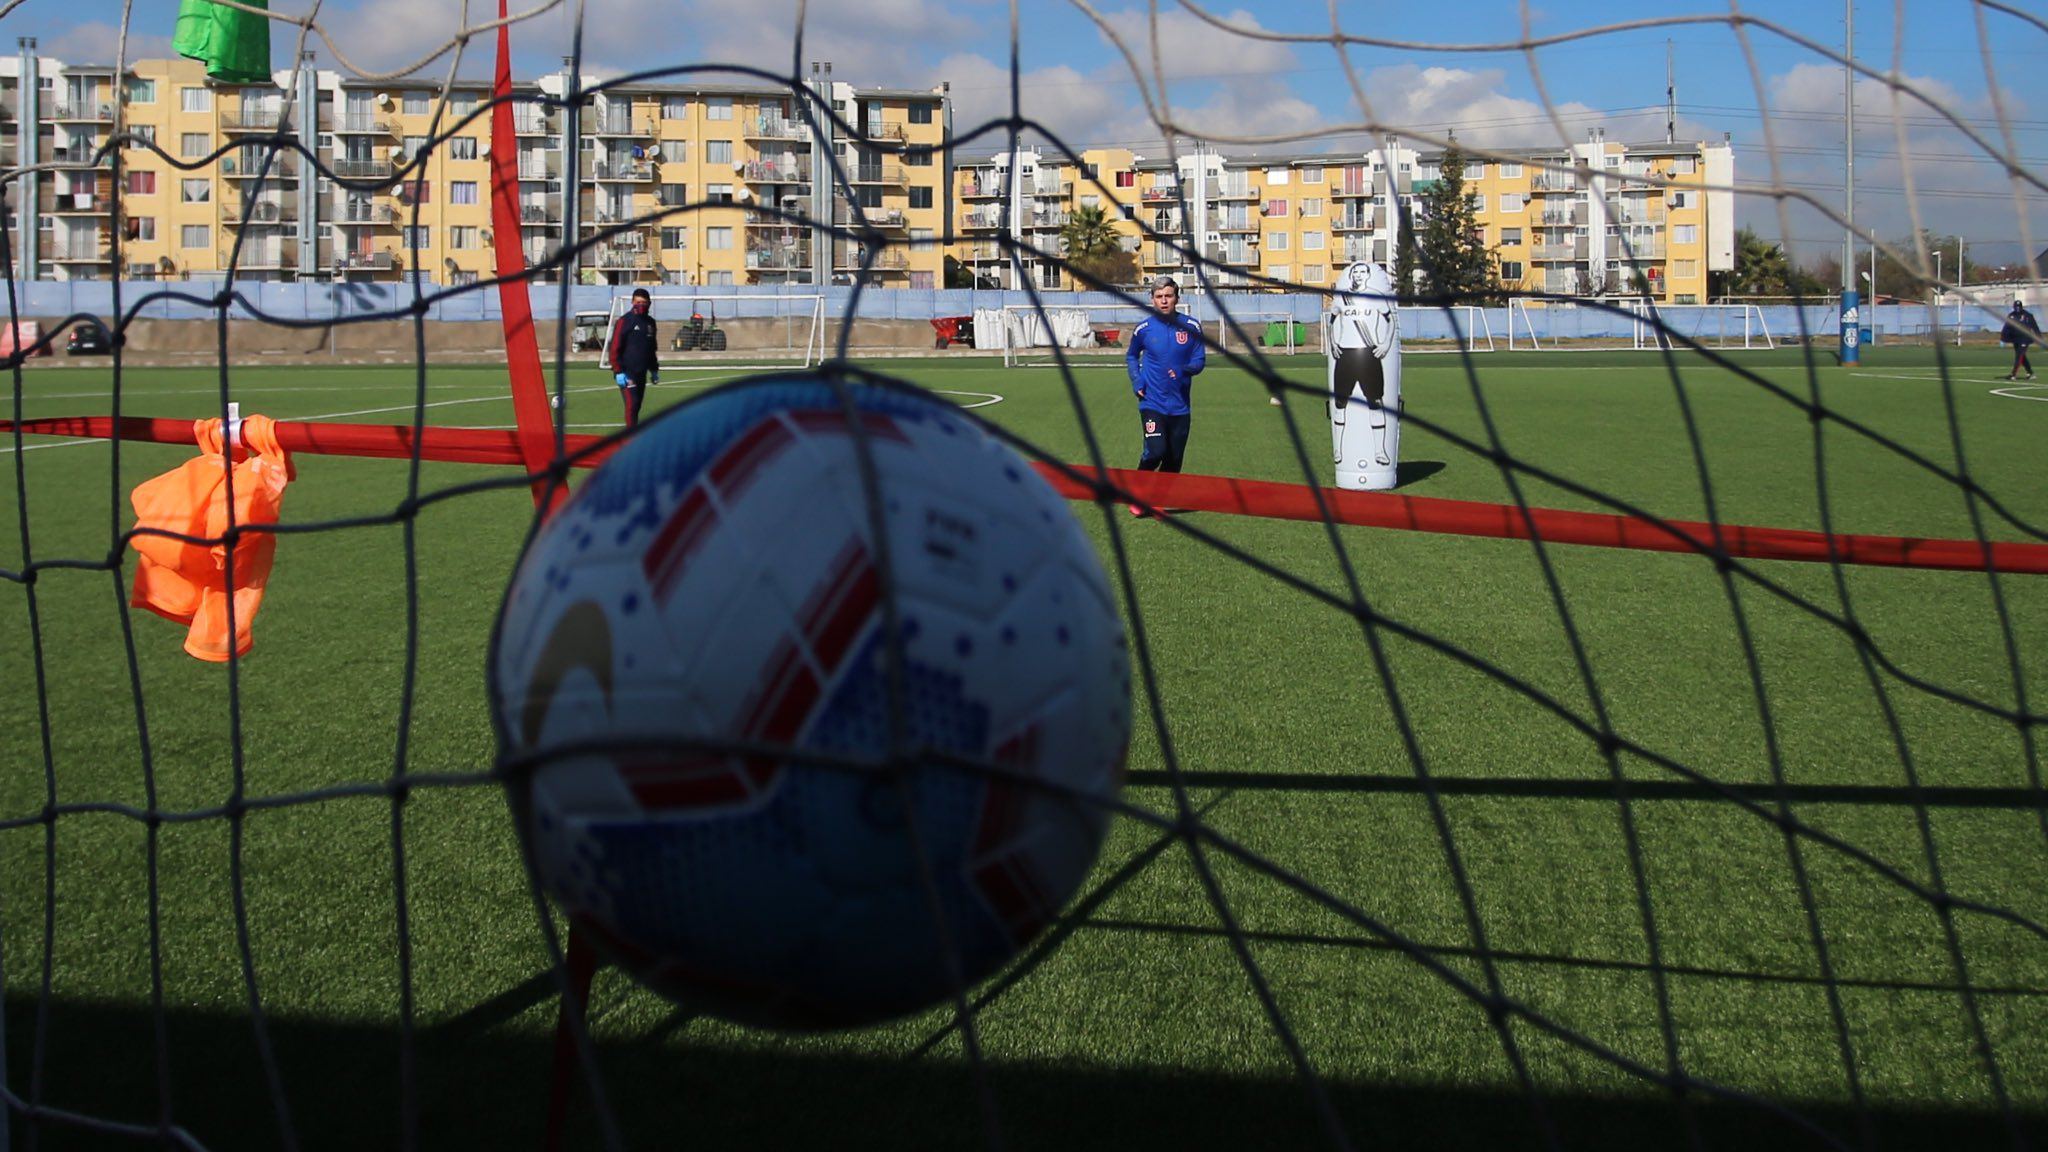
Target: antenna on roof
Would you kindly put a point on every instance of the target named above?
(1670, 96)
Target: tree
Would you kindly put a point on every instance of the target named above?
(1095, 247)
(1761, 268)
(1449, 245)
(1904, 279)
(958, 275)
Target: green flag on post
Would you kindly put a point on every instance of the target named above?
(235, 44)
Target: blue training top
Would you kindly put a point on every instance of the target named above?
(1165, 354)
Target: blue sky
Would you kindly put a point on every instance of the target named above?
(1283, 86)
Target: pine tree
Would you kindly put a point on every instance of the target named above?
(1446, 242)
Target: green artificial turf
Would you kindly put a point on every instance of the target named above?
(1511, 845)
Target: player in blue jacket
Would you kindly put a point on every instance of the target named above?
(1165, 355)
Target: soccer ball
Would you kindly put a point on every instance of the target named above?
(779, 767)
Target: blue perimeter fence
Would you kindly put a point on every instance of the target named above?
(318, 301)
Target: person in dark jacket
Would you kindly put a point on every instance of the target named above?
(631, 352)
(2020, 331)
(1164, 357)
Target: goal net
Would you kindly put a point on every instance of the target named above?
(771, 328)
(1038, 335)
(1658, 765)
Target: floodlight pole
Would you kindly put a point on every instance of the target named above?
(1851, 338)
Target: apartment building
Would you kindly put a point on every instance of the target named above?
(672, 184)
(1601, 217)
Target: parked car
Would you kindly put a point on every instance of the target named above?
(88, 338)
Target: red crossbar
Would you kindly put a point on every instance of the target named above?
(1195, 493)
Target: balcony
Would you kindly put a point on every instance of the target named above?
(365, 214)
(783, 258)
(984, 187)
(1351, 222)
(626, 259)
(1554, 252)
(772, 127)
(541, 166)
(81, 155)
(80, 203)
(619, 122)
(354, 169)
(91, 253)
(882, 261)
(878, 174)
(533, 120)
(1635, 249)
(1548, 181)
(890, 219)
(366, 262)
(1576, 215)
(796, 212)
(268, 257)
(1169, 194)
(543, 214)
(633, 171)
(261, 213)
(1235, 190)
(789, 170)
(253, 120)
(283, 166)
(69, 112)
(882, 132)
(367, 124)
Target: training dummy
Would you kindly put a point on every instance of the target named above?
(1364, 349)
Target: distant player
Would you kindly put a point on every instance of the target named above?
(1164, 357)
(2020, 331)
(632, 354)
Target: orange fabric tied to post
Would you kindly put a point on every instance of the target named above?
(188, 582)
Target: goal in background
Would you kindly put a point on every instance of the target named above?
(1594, 325)
(1723, 327)
(1037, 336)
(787, 328)
(1419, 847)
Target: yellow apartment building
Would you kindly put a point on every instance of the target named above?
(672, 184)
(1598, 218)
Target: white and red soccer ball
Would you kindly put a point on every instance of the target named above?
(734, 780)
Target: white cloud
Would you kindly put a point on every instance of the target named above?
(95, 44)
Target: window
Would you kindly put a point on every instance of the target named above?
(672, 195)
(415, 192)
(195, 236)
(1276, 207)
(462, 148)
(675, 108)
(1277, 175)
(1312, 273)
(1313, 174)
(718, 193)
(195, 190)
(923, 240)
(414, 146)
(719, 278)
(1510, 270)
(326, 141)
(1312, 241)
(718, 108)
(1477, 200)
(675, 238)
(1510, 237)
(917, 159)
(1312, 206)
(718, 238)
(1276, 241)
(195, 99)
(462, 192)
(141, 183)
(1510, 169)
(1280, 271)
(920, 197)
(920, 113)
(1686, 298)
(1685, 233)
(718, 151)
(1680, 199)
(417, 103)
(1511, 201)
(1127, 179)
(417, 235)
(464, 236)
(1090, 200)
(141, 135)
(142, 227)
(1684, 269)
(140, 91)
(1685, 165)
(924, 280)
(194, 144)
(462, 103)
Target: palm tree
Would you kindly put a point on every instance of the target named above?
(1090, 234)
(1760, 266)
(1095, 248)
